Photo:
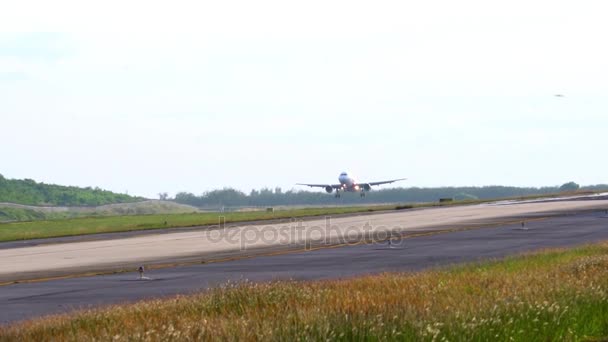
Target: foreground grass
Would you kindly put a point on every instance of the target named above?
(553, 295)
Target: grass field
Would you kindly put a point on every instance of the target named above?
(551, 295)
(10, 212)
(91, 225)
(13, 231)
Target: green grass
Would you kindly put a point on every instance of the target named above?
(13, 231)
(11, 212)
(59, 226)
(551, 295)
(20, 214)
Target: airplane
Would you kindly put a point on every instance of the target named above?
(348, 183)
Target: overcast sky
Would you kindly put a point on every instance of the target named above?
(203, 95)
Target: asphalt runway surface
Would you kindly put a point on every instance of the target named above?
(57, 257)
(29, 300)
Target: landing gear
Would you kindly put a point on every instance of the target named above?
(337, 194)
(362, 194)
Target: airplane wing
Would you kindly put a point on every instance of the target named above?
(384, 182)
(334, 186)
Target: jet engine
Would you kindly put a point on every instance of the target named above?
(329, 189)
(366, 187)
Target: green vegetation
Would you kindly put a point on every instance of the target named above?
(55, 224)
(11, 212)
(570, 186)
(28, 191)
(268, 197)
(20, 214)
(549, 296)
(91, 225)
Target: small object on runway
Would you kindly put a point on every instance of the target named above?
(141, 272)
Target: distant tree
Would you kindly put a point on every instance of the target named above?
(269, 197)
(163, 196)
(28, 191)
(188, 198)
(570, 186)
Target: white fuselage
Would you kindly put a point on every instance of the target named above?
(348, 182)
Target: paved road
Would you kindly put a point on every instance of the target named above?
(28, 300)
(68, 258)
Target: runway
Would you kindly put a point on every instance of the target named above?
(28, 300)
(57, 257)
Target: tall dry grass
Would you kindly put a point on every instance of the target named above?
(553, 295)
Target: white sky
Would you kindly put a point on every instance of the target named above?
(194, 96)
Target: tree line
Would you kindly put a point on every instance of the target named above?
(229, 197)
(29, 192)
